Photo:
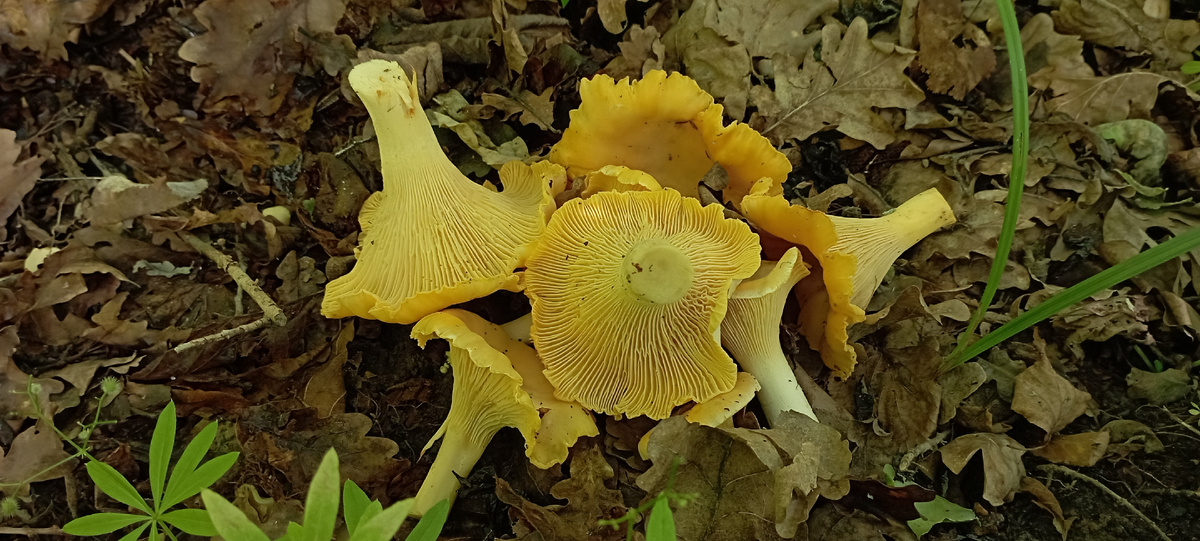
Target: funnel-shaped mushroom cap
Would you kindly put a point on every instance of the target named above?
(617, 178)
(628, 290)
(854, 254)
(671, 129)
(717, 411)
(751, 333)
(431, 238)
(487, 396)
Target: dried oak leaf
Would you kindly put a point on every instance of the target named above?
(854, 76)
(589, 499)
(17, 176)
(956, 53)
(719, 66)
(1047, 399)
(1050, 55)
(641, 52)
(36, 454)
(748, 480)
(1002, 466)
(1126, 24)
(1096, 100)
(46, 26)
(254, 48)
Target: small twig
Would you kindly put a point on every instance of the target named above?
(271, 312)
(1182, 422)
(53, 530)
(1124, 503)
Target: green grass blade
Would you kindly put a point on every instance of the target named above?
(162, 444)
(431, 523)
(1016, 180)
(1105, 279)
(102, 523)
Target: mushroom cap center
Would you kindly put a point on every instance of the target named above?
(657, 271)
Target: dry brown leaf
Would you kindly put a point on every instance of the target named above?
(33, 450)
(588, 500)
(535, 109)
(641, 52)
(1126, 24)
(1096, 100)
(855, 75)
(719, 66)
(1084, 449)
(1002, 466)
(254, 48)
(957, 384)
(612, 15)
(1045, 499)
(1047, 399)
(1161, 387)
(1050, 55)
(17, 176)
(769, 29)
(116, 198)
(957, 54)
(326, 389)
(46, 26)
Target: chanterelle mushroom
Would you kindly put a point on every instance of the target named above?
(431, 238)
(628, 290)
(854, 255)
(666, 126)
(751, 333)
(498, 382)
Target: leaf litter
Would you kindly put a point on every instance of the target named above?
(124, 124)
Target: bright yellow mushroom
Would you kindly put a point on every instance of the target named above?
(628, 290)
(432, 238)
(751, 334)
(498, 382)
(617, 178)
(854, 255)
(666, 126)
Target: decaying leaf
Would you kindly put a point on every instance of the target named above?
(956, 53)
(641, 51)
(1159, 387)
(46, 26)
(1127, 436)
(1084, 449)
(1047, 399)
(1128, 24)
(588, 497)
(254, 48)
(453, 114)
(1002, 466)
(35, 449)
(763, 481)
(854, 76)
(17, 176)
(1096, 100)
(1045, 499)
(612, 15)
(117, 198)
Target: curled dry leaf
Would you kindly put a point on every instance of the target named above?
(854, 76)
(1045, 499)
(254, 49)
(17, 176)
(1002, 466)
(1047, 399)
(46, 26)
(117, 198)
(957, 54)
(588, 500)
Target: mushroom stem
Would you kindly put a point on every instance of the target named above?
(455, 459)
(518, 329)
(780, 391)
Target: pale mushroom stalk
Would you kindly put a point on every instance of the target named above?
(456, 458)
(751, 333)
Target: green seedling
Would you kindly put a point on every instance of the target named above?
(1155, 365)
(660, 526)
(365, 520)
(934, 512)
(187, 478)
(1191, 67)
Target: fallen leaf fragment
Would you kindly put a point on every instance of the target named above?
(1047, 399)
(117, 198)
(31, 455)
(1045, 499)
(1084, 449)
(588, 500)
(1002, 466)
(1096, 100)
(1128, 24)
(854, 76)
(46, 26)
(956, 53)
(17, 176)
(1159, 387)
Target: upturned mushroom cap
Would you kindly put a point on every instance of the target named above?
(666, 126)
(854, 256)
(431, 238)
(617, 178)
(751, 333)
(628, 290)
(487, 396)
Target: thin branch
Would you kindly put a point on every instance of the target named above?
(1124, 503)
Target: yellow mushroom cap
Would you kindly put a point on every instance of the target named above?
(431, 238)
(854, 255)
(628, 290)
(751, 334)
(617, 178)
(487, 396)
(666, 126)
(716, 411)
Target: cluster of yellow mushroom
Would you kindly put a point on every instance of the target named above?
(638, 290)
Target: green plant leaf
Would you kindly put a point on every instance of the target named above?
(136, 533)
(193, 521)
(154, 531)
(431, 523)
(354, 503)
(661, 524)
(102, 523)
(115, 485)
(383, 527)
(203, 477)
(229, 521)
(936, 512)
(162, 444)
(1191, 67)
(320, 510)
(188, 461)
